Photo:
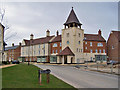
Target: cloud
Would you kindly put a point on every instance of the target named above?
(26, 18)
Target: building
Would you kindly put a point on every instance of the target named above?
(94, 47)
(55, 47)
(77, 46)
(36, 49)
(72, 46)
(1, 42)
(113, 46)
(13, 52)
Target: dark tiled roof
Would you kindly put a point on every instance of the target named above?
(93, 37)
(38, 41)
(72, 18)
(57, 39)
(66, 51)
(117, 34)
(12, 47)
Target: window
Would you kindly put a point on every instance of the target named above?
(39, 46)
(100, 51)
(103, 50)
(99, 44)
(96, 51)
(85, 47)
(55, 45)
(44, 46)
(112, 47)
(67, 42)
(81, 50)
(85, 38)
(90, 43)
(91, 51)
(78, 42)
(34, 52)
(67, 34)
(56, 51)
(85, 42)
(79, 34)
(77, 49)
(53, 51)
(60, 44)
(60, 50)
(44, 51)
(39, 51)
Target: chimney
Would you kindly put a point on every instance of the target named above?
(57, 33)
(31, 37)
(20, 44)
(47, 33)
(99, 32)
(13, 44)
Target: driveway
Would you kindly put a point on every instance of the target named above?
(82, 79)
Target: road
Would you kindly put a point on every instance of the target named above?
(82, 79)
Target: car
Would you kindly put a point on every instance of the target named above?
(15, 62)
(112, 62)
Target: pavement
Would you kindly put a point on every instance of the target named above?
(81, 78)
(9, 65)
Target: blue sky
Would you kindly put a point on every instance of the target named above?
(26, 18)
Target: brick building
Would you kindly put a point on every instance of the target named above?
(72, 46)
(13, 52)
(113, 46)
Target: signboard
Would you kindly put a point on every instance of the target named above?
(40, 72)
(47, 71)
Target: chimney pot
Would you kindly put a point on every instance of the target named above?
(99, 32)
(57, 33)
(31, 37)
(12, 44)
(47, 33)
(20, 44)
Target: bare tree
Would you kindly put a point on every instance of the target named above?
(5, 23)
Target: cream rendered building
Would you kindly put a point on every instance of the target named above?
(72, 37)
(1, 41)
(36, 49)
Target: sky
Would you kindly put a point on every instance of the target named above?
(25, 18)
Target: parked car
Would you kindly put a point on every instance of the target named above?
(15, 62)
(112, 62)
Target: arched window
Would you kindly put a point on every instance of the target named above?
(68, 42)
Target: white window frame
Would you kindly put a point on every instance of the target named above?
(90, 43)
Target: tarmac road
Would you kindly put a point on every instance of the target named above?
(82, 79)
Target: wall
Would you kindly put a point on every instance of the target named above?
(1, 41)
(73, 39)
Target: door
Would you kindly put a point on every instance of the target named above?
(65, 59)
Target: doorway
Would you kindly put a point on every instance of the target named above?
(65, 59)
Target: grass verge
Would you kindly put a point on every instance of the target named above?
(24, 76)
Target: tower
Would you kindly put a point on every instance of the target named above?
(72, 37)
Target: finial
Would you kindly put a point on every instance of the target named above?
(72, 7)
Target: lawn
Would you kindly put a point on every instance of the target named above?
(24, 76)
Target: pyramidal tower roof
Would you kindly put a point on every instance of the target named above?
(72, 18)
